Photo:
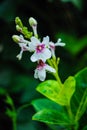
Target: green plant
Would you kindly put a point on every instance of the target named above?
(65, 103)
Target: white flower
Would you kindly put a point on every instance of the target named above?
(23, 44)
(41, 52)
(40, 71)
(53, 45)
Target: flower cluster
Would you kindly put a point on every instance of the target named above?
(42, 50)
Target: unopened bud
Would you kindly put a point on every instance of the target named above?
(18, 28)
(18, 21)
(32, 21)
(16, 38)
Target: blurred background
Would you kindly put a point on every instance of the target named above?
(65, 19)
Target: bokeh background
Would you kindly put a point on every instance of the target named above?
(65, 19)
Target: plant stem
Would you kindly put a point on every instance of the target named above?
(74, 125)
(14, 124)
(54, 64)
(70, 112)
(13, 114)
(14, 119)
(58, 79)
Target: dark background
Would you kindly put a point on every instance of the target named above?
(66, 19)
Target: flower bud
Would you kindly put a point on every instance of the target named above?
(32, 21)
(33, 24)
(18, 21)
(18, 28)
(16, 38)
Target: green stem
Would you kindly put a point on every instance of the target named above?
(58, 79)
(53, 63)
(14, 115)
(70, 112)
(73, 125)
(82, 106)
(14, 124)
(14, 119)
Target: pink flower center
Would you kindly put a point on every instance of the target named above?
(40, 48)
(40, 65)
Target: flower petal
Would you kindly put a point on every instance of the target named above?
(34, 40)
(34, 57)
(33, 44)
(47, 54)
(36, 74)
(50, 69)
(46, 40)
(19, 56)
(60, 44)
(42, 74)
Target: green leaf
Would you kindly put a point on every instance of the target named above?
(67, 91)
(51, 117)
(51, 89)
(42, 103)
(9, 100)
(81, 86)
(81, 78)
(11, 113)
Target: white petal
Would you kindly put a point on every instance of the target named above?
(36, 74)
(53, 53)
(46, 40)
(33, 43)
(19, 56)
(32, 47)
(50, 69)
(46, 54)
(34, 40)
(42, 74)
(60, 44)
(34, 57)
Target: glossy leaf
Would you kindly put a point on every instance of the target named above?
(52, 90)
(51, 117)
(67, 91)
(43, 103)
(81, 85)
